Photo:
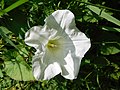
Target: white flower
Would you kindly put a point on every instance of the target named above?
(59, 45)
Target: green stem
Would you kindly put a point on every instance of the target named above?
(88, 75)
(14, 5)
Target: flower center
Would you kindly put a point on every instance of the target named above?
(53, 44)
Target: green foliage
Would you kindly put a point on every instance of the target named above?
(1, 74)
(98, 19)
(104, 14)
(17, 68)
(108, 49)
(111, 29)
(16, 4)
(4, 31)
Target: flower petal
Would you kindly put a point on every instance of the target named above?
(60, 19)
(81, 43)
(58, 53)
(37, 66)
(64, 21)
(32, 37)
(72, 66)
(44, 71)
(51, 71)
(66, 58)
(36, 36)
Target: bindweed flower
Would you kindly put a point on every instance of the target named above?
(59, 45)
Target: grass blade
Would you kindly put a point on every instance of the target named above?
(104, 14)
(111, 29)
(14, 5)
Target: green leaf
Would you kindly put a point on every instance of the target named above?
(111, 29)
(23, 51)
(116, 67)
(1, 74)
(2, 4)
(3, 32)
(18, 70)
(87, 16)
(16, 67)
(104, 14)
(116, 75)
(14, 5)
(111, 48)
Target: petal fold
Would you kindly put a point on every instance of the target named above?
(43, 71)
(60, 19)
(72, 66)
(81, 43)
(32, 37)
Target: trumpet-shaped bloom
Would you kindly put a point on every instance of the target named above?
(59, 45)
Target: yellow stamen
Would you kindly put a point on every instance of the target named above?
(52, 45)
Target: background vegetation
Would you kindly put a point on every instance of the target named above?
(98, 19)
